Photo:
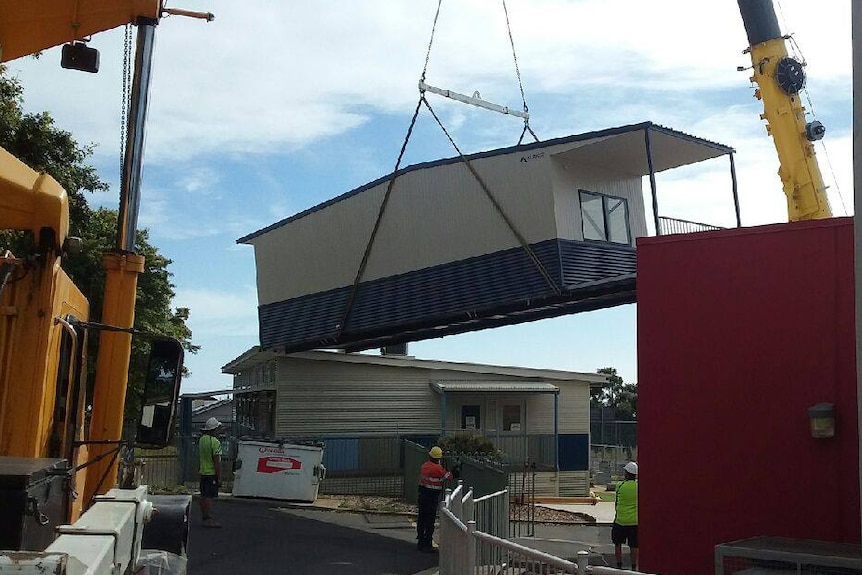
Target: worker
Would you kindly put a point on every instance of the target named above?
(625, 528)
(209, 448)
(431, 477)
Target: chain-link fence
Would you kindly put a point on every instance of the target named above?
(607, 462)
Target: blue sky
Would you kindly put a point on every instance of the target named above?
(279, 105)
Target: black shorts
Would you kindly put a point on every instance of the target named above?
(209, 486)
(625, 534)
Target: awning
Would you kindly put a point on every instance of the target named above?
(493, 387)
(244, 390)
(625, 150)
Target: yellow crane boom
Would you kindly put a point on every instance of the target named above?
(780, 78)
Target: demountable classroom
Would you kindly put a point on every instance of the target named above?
(495, 238)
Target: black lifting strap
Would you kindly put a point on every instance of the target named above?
(348, 308)
(524, 244)
(368, 247)
(520, 83)
(361, 271)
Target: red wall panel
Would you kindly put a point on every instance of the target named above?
(739, 333)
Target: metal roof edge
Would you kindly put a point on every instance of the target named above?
(203, 394)
(487, 154)
(390, 361)
(245, 356)
(441, 387)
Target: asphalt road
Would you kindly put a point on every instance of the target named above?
(263, 537)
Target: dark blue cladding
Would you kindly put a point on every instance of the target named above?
(492, 290)
(574, 452)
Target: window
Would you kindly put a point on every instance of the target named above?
(470, 417)
(255, 413)
(604, 218)
(512, 417)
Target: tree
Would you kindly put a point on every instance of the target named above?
(621, 396)
(39, 143)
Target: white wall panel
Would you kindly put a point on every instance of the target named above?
(435, 215)
(570, 177)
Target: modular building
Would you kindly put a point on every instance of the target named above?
(361, 406)
(495, 238)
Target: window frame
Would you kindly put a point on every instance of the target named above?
(605, 217)
(521, 404)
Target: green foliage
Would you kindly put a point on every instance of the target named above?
(622, 396)
(39, 143)
(468, 443)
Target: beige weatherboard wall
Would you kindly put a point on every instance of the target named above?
(360, 401)
(436, 216)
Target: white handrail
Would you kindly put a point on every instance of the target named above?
(529, 553)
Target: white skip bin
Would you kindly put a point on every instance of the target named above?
(278, 470)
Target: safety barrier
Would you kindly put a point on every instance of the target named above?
(472, 541)
(464, 548)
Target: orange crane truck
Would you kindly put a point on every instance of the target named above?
(60, 437)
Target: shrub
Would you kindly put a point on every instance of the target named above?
(468, 443)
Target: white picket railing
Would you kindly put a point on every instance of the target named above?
(472, 541)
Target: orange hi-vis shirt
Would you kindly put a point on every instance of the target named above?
(432, 475)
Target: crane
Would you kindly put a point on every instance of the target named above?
(780, 78)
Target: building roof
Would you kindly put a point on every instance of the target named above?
(248, 358)
(670, 149)
(206, 394)
(211, 406)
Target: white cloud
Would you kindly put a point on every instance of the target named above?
(216, 312)
(276, 75)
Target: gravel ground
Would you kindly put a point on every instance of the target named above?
(394, 505)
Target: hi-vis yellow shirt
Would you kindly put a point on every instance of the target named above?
(209, 447)
(627, 503)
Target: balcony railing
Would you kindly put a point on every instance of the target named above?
(668, 226)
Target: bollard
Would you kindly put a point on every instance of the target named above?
(583, 560)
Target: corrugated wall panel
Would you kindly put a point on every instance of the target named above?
(584, 262)
(477, 288)
(562, 484)
(574, 411)
(322, 398)
(573, 484)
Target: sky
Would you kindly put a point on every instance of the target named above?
(278, 105)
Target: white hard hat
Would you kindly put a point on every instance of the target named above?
(631, 467)
(212, 423)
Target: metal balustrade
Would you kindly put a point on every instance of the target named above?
(472, 541)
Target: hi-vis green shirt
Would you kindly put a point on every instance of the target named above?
(208, 446)
(627, 503)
